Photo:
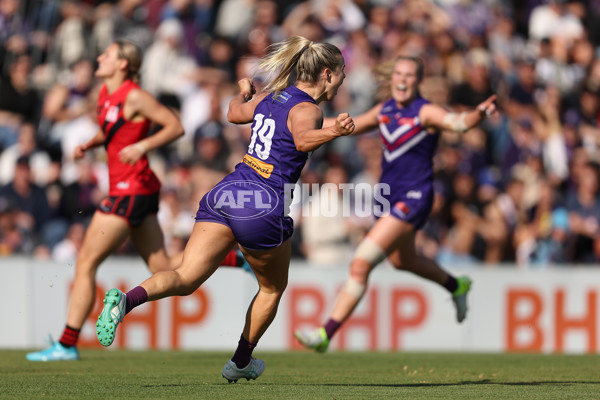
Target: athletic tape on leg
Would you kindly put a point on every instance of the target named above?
(370, 251)
(353, 288)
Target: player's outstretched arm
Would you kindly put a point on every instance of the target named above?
(435, 116)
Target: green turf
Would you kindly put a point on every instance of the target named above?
(105, 374)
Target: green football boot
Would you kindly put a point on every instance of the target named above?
(459, 297)
(315, 339)
(112, 314)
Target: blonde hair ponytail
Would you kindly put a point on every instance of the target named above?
(297, 59)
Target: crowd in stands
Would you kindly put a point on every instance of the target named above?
(522, 188)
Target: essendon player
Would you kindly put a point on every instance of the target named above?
(125, 113)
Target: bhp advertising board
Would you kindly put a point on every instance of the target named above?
(511, 310)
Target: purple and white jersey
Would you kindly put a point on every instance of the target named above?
(251, 200)
(407, 163)
(272, 153)
(408, 148)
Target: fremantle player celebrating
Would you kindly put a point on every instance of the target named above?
(248, 206)
(409, 127)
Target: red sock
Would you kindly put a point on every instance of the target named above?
(69, 336)
(230, 259)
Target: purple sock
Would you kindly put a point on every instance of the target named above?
(135, 297)
(451, 284)
(243, 353)
(331, 326)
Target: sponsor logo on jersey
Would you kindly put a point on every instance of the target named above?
(123, 185)
(262, 168)
(112, 114)
(414, 194)
(282, 97)
(412, 121)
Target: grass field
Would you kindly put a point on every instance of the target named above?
(103, 374)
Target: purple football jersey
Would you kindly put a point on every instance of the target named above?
(272, 153)
(251, 200)
(407, 163)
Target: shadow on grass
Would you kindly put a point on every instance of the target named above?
(462, 383)
(403, 385)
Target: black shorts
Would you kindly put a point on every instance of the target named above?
(133, 208)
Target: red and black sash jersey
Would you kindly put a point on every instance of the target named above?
(124, 179)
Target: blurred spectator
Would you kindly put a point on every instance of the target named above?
(66, 101)
(523, 142)
(196, 19)
(470, 19)
(69, 43)
(123, 20)
(359, 86)
(302, 22)
(552, 135)
(210, 148)
(67, 249)
(500, 219)
(338, 17)
(77, 132)
(544, 240)
(553, 249)
(464, 212)
(25, 146)
(552, 19)
(11, 21)
(522, 92)
(476, 87)
(557, 69)
(19, 102)
(14, 238)
(428, 240)
(233, 16)
(167, 69)
(220, 62)
(325, 221)
(378, 24)
(175, 218)
(29, 199)
(57, 225)
(592, 83)
(13, 29)
(583, 206)
(264, 22)
(539, 57)
(81, 197)
(505, 45)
